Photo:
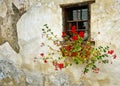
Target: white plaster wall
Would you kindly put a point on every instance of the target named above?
(104, 19)
(3, 9)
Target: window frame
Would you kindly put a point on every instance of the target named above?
(73, 5)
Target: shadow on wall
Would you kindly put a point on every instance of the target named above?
(8, 26)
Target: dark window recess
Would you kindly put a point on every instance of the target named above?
(78, 15)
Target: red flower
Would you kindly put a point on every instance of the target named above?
(68, 48)
(81, 34)
(42, 54)
(61, 65)
(45, 61)
(73, 54)
(73, 29)
(63, 34)
(75, 38)
(114, 56)
(110, 51)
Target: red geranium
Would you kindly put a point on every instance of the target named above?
(114, 56)
(74, 54)
(73, 29)
(63, 34)
(68, 48)
(45, 61)
(110, 51)
(75, 38)
(60, 65)
(81, 34)
(42, 54)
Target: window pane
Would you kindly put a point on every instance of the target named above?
(69, 15)
(86, 30)
(84, 14)
(86, 35)
(81, 26)
(74, 14)
(86, 25)
(79, 15)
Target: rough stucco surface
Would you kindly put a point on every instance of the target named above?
(105, 19)
(9, 16)
(8, 30)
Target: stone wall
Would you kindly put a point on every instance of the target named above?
(27, 35)
(10, 15)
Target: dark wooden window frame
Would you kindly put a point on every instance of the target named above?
(73, 5)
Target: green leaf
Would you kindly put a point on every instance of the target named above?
(66, 64)
(104, 50)
(48, 30)
(86, 70)
(93, 66)
(45, 24)
(43, 29)
(105, 61)
(106, 55)
(99, 57)
(70, 64)
(107, 47)
(76, 61)
(84, 52)
(102, 56)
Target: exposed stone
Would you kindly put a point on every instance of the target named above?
(8, 53)
(10, 74)
(58, 79)
(8, 29)
(34, 78)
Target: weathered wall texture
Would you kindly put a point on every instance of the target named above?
(105, 19)
(9, 16)
(8, 30)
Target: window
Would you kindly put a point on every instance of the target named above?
(77, 15)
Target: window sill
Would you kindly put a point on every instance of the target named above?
(92, 43)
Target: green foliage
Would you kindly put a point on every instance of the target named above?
(78, 51)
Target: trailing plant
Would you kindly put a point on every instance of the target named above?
(75, 50)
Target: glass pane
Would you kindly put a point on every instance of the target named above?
(84, 14)
(79, 15)
(86, 25)
(86, 35)
(69, 15)
(74, 14)
(81, 26)
(86, 30)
